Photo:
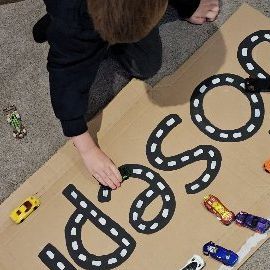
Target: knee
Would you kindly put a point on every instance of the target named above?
(151, 68)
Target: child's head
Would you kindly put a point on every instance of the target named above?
(125, 21)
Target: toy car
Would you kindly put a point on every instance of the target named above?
(214, 205)
(195, 263)
(227, 257)
(19, 214)
(14, 119)
(266, 166)
(257, 224)
(125, 172)
(256, 84)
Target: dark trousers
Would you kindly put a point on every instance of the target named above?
(74, 58)
(142, 59)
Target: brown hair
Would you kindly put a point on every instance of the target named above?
(125, 21)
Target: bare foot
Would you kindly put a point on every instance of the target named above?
(207, 11)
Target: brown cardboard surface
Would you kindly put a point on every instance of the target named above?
(123, 130)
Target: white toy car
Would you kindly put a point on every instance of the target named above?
(195, 263)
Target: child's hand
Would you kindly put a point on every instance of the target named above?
(102, 168)
(97, 163)
(207, 11)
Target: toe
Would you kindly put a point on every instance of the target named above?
(215, 9)
(211, 15)
(197, 20)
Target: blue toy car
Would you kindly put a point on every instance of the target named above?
(227, 257)
(257, 224)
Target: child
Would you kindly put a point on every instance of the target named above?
(81, 33)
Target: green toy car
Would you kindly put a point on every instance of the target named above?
(14, 119)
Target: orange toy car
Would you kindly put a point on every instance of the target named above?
(266, 166)
(214, 205)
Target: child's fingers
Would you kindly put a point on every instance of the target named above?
(113, 178)
(108, 180)
(116, 172)
(102, 177)
(100, 180)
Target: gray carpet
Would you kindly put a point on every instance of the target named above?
(24, 82)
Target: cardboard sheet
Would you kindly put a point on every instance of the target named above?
(195, 133)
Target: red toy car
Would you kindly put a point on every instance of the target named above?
(214, 205)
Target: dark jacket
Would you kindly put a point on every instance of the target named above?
(76, 51)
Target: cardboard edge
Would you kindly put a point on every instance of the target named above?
(32, 185)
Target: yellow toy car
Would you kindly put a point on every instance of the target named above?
(19, 214)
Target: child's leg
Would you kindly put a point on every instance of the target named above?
(141, 59)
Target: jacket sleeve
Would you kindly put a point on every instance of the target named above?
(185, 8)
(73, 61)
